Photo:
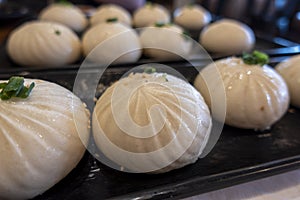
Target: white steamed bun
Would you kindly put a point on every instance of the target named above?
(43, 44)
(256, 96)
(107, 42)
(151, 123)
(166, 42)
(109, 11)
(68, 15)
(192, 17)
(42, 139)
(150, 14)
(227, 36)
(290, 71)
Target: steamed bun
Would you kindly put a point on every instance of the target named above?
(43, 44)
(227, 36)
(68, 15)
(109, 11)
(150, 14)
(111, 42)
(256, 96)
(42, 138)
(166, 42)
(290, 71)
(151, 123)
(192, 17)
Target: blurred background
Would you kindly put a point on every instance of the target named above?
(274, 17)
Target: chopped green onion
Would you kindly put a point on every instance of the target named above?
(149, 70)
(165, 77)
(57, 32)
(2, 85)
(15, 88)
(109, 20)
(160, 24)
(186, 35)
(24, 93)
(64, 2)
(255, 58)
(14, 84)
(149, 3)
(190, 5)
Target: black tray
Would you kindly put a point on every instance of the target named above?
(239, 156)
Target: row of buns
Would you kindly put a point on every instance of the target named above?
(191, 17)
(51, 42)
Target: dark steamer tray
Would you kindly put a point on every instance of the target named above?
(239, 156)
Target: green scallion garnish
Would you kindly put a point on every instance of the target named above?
(149, 3)
(57, 32)
(15, 88)
(109, 20)
(160, 24)
(190, 5)
(149, 70)
(255, 58)
(64, 2)
(165, 77)
(186, 35)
